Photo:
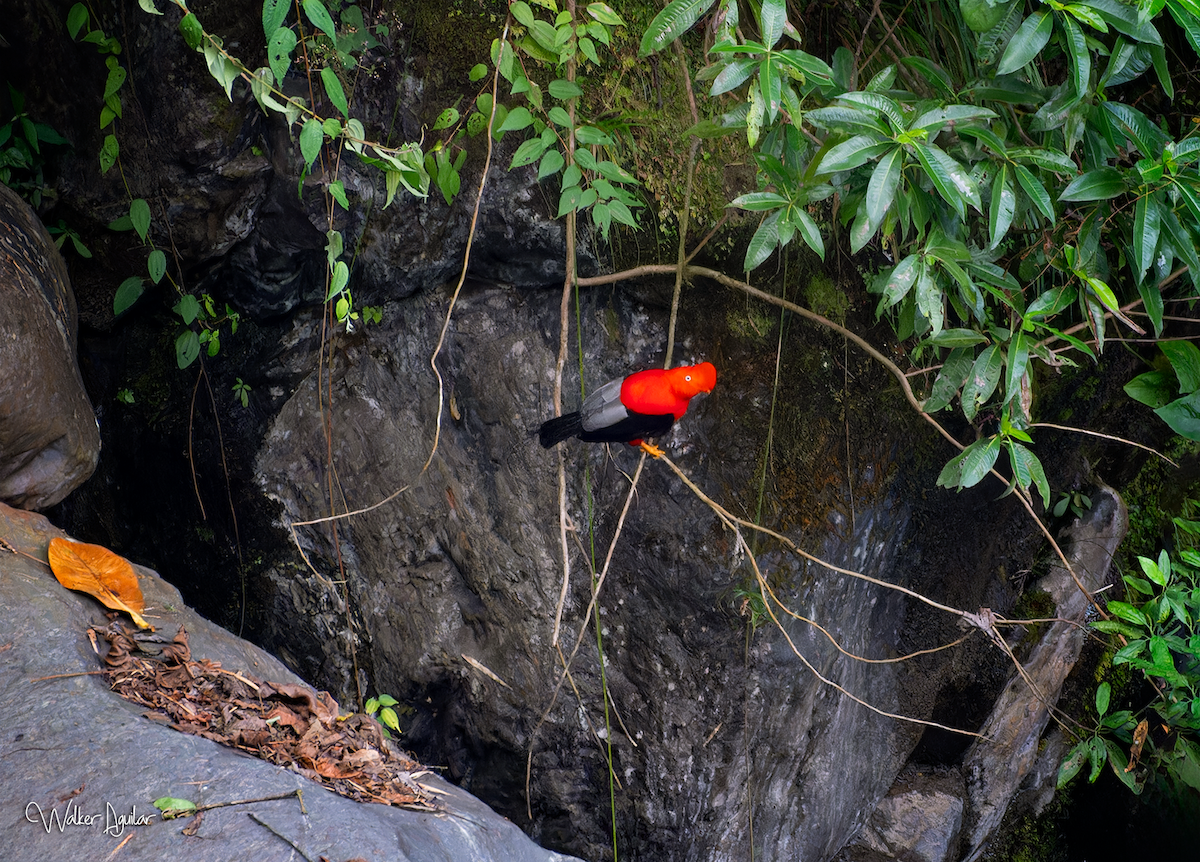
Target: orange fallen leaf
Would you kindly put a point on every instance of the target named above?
(1139, 739)
(100, 573)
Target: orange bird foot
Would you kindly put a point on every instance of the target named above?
(650, 449)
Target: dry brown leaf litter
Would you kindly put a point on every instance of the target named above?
(285, 724)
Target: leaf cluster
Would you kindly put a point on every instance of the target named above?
(1160, 626)
(1012, 197)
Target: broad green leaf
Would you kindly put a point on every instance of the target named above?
(156, 265)
(933, 74)
(273, 14)
(810, 232)
(1027, 42)
(950, 178)
(1051, 302)
(1185, 359)
(559, 117)
(1072, 763)
(772, 17)
(518, 118)
(852, 153)
(605, 14)
(279, 52)
(764, 241)
(316, 12)
(551, 163)
(528, 153)
(1095, 185)
(733, 75)
(1003, 205)
(139, 216)
(1145, 234)
(311, 137)
(936, 119)
(77, 19)
(187, 348)
(886, 105)
(562, 89)
(847, 121)
(982, 381)
(902, 278)
(930, 301)
(338, 280)
(1029, 468)
(333, 89)
(127, 294)
(1045, 157)
(958, 338)
(446, 119)
(1151, 570)
(108, 153)
(969, 467)
(1152, 302)
(568, 201)
(1015, 363)
(949, 380)
(881, 190)
(1080, 59)
(1126, 18)
(759, 201)
(671, 23)
(1133, 124)
(1036, 191)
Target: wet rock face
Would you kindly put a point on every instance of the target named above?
(49, 442)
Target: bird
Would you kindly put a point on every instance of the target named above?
(630, 409)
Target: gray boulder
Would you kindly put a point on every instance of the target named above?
(49, 441)
(83, 766)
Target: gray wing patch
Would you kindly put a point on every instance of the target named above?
(603, 407)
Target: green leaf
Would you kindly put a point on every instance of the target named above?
(764, 241)
(551, 163)
(338, 279)
(518, 118)
(528, 153)
(1003, 205)
(1154, 388)
(1036, 191)
(772, 17)
(1148, 138)
(187, 348)
(590, 135)
(1027, 42)
(734, 73)
(139, 216)
(273, 14)
(1028, 470)
(881, 190)
(562, 89)
(757, 201)
(1152, 571)
(1129, 613)
(969, 467)
(1183, 415)
(156, 265)
(1185, 359)
(901, 279)
(77, 19)
(605, 14)
(108, 153)
(1145, 234)
(847, 121)
(958, 338)
(1081, 62)
(810, 232)
(852, 153)
(477, 73)
(559, 117)
(1051, 302)
(1072, 763)
(982, 381)
(127, 294)
(279, 52)
(568, 201)
(316, 12)
(950, 178)
(1095, 185)
(1016, 362)
(671, 23)
(311, 138)
(930, 301)
(333, 89)
(950, 379)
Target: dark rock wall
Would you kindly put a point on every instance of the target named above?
(720, 738)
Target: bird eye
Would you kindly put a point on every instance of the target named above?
(687, 377)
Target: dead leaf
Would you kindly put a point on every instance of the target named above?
(100, 573)
(1139, 739)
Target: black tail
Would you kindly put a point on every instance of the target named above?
(560, 428)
